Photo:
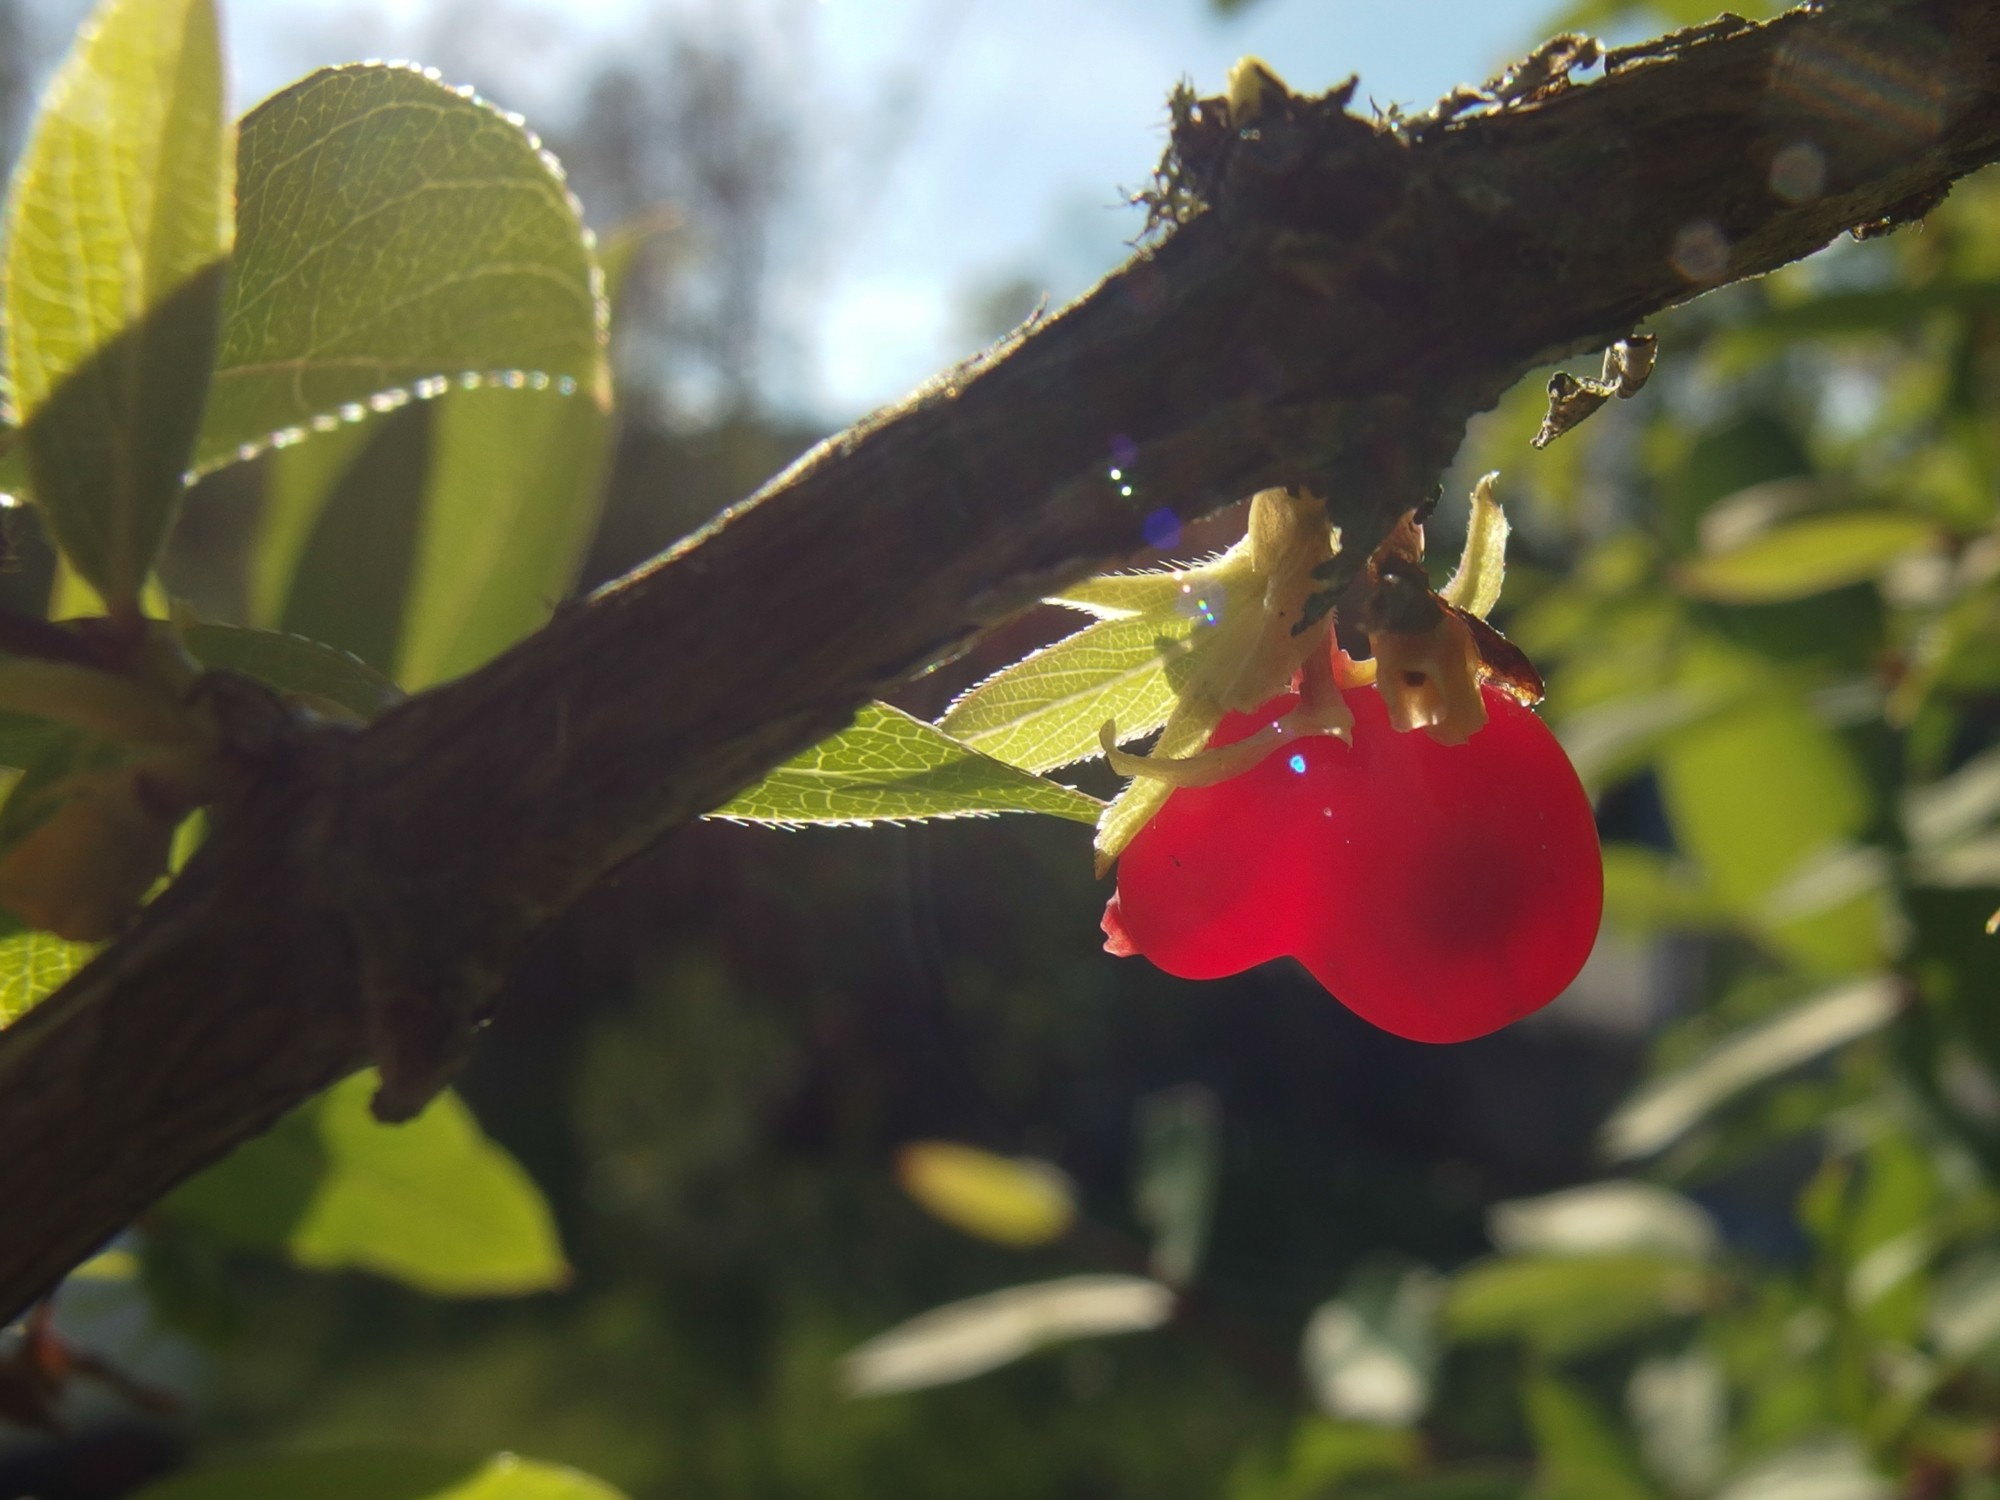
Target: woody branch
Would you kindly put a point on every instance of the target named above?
(1348, 298)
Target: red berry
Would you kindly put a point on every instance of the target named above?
(1439, 891)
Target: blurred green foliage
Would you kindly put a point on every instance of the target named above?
(1726, 1224)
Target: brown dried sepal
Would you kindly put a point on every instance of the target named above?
(1431, 656)
(1503, 663)
(1628, 364)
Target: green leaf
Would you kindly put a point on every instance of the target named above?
(1872, 310)
(1323, 1455)
(1964, 1313)
(890, 766)
(1119, 596)
(496, 491)
(1800, 558)
(73, 597)
(1679, 1407)
(1568, 1304)
(25, 739)
(349, 583)
(1761, 794)
(1180, 1156)
(1646, 892)
(394, 234)
(1956, 806)
(963, 1339)
(1046, 710)
(254, 1198)
(1667, 1108)
(1613, 739)
(506, 1477)
(300, 479)
(516, 482)
(384, 1474)
(1372, 1354)
(1971, 863)
(324, 677)
(1603, 1218)
(1581, 1454)
(515, 488)
(432, 1203)
(1834, 1467)
(118, 231)
(33, 966)
(1010, 1200)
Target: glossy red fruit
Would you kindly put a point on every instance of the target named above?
(1439, 891)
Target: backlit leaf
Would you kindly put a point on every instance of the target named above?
(515, 484)
(254, 1198)
(1679, 1408)
(1323, 1455)
(1667, 1108)
(1968, 863)
(324, 677)
(1956, 805)
(1119, 596)
(349, 582)
(108, 1265)
(1757, 796)
(1046, 711)
(1646, 891)
(118, 231)
(432, 1203)
(34, 965)
(299, 479)
(1608, 741)
(1964, 1315)
(1009, 1200)
(393, 235)
(1601, 1218)
(1371, 1354)
(1805, 557)
(1566, 1304)
(1828, 1468)
(1581, 1453)
(889, 766)
(963, 1339)
(384, 1474)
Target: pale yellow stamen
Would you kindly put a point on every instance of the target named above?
(1204, 767)
(1320, 710)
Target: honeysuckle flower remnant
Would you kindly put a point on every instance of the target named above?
(1405, 826)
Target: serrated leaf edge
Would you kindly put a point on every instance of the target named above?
(1127, 732)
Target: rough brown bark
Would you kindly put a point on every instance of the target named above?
(1349, 298)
